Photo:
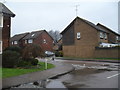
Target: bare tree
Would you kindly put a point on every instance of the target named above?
(55, 34)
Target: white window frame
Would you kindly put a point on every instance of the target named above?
(0, 47)
(25, 41)
(15, 42)
(1, 20)
(101, 35)
(44, 41)
(78, 35)
(117, 38)
(30, 41)
(12, 42)
(53, 42)
(105, 35)
(33, 35)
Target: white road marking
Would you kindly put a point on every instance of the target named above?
(113, 75)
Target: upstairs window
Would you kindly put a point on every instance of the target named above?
(0, 47)
(105, 35)
(33, 35)
(30, 41)
(117, 38)
(12, 43)
(1, 20)
(78, 35)
(53, 42)
(101, 35)
(15, 42)
(44, 41)
(25, 41)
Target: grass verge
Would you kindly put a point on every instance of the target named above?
(10, 72)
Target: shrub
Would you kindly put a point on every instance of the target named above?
(10, 59)
(14, 48)
(23, 63)
(59, 54)
(31, 60)
(34, 61)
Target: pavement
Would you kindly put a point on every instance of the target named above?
(55, 84)
(60, 69)
(95, 60)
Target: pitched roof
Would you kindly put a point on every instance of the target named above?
(108, 29)
(33, 34)
(5, 10)
(86, 21)
(18, 37)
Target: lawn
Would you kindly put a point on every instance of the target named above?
(10, 72)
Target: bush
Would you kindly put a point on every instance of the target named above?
(34, 61)
(14, 48)
(10, 59)
(59, 54)
(23, 63)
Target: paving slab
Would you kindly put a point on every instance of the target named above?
(94, 60)
(55, 84)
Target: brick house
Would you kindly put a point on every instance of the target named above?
(5, 26)
(113, 37)
(81, 37)
(41, 38)
(16, 40)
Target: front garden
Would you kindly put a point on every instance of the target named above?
(10, 72)
(17, 61)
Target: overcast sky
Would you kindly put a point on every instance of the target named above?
(32, 15)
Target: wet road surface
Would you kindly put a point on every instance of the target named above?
(91, 75)
(86, 75)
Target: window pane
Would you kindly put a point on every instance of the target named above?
(116, 37)
(78, 35)
(15, 42)
(44, 41)
(105, 36)
(30, 41)
(0, 47)
(101, 35)
(1, 20)
(12, 43)
(25, 41)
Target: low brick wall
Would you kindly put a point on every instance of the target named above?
(83, 51)
(113, 52)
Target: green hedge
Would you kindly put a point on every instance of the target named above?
(10, 59)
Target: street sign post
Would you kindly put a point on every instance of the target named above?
(46, 63)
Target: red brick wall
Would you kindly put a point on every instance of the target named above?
(6, 31)
(48, 46)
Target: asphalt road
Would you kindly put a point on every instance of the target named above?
(91, 75)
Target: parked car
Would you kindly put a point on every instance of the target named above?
(49, 53)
